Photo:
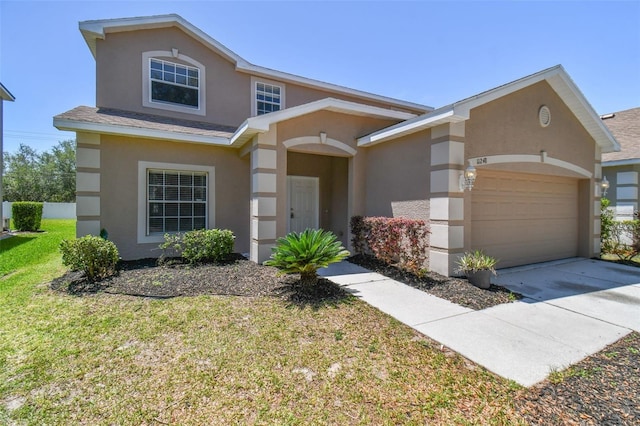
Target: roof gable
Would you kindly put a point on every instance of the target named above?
(98, 29)
(261, 123)
(556, 77)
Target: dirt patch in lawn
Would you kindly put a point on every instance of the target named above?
(455, 290)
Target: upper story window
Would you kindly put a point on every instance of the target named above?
(267, 96)
(174, 85)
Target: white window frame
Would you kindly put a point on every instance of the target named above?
(169, 56)
(143, 168)
(254, 93)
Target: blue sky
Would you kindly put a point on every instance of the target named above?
(428, 52)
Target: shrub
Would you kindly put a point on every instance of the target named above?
(202, 245)
(306, 252)
(607, 219)
(27, 215)
(399, 241)
(96, 257)
(624, 239)
(472, 262)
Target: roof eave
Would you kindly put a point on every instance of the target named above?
(93, 30)
(5, 94)
(624, 162)
(442, 115)
(260, 124)
(112, 129)
(557, 78)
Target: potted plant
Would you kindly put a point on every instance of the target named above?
(478, 268)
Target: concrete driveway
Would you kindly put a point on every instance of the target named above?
(571, 309)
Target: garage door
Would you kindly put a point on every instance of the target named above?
(524, 218)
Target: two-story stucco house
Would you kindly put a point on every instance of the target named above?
(187, 134)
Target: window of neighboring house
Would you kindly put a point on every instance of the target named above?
(268, 97)
(174, 83)
(176, 201)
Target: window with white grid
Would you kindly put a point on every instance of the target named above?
(174, 83)
(176, 201)
(268, 98)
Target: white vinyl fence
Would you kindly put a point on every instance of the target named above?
(49, 210)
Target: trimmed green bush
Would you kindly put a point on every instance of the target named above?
(27, 215)
(94, 256)
(202, 245)
(305, 253)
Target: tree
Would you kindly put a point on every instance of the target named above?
(50, 176)
(59, 171)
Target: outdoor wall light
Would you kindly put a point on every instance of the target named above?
(468, 178)
(604, 185)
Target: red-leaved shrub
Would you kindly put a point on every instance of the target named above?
(400, 241)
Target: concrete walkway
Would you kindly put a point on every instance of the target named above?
(571, 310)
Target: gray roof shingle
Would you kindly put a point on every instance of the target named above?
(138, 120)
(625, 127)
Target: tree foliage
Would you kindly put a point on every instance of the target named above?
(48, 176)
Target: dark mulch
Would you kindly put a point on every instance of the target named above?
(601, 390)
(236, 276)
(455, 290)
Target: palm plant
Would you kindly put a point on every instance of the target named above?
(306, 252)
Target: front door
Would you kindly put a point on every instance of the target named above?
(302, 205)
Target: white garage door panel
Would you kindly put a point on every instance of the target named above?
(524, 218)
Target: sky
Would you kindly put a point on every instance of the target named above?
(429, 52)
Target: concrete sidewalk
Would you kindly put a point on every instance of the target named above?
(525, 340)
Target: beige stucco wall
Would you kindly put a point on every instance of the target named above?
(119, 188)
(398, 176)
(228, 92)
(510, 125)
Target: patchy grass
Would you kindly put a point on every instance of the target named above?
(113, 359)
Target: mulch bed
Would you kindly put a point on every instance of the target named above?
(236, 276)
(600, 390)
(455, 290)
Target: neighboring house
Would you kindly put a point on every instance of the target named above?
(187, 134)
(622, 168)
(5, 95)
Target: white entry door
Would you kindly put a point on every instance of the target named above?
(302, 205)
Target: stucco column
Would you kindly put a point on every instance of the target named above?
(594, 246)
(87, 184)
(263, 194)
(447, 206)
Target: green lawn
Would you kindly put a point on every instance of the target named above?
(28, 249)
(110, 359)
